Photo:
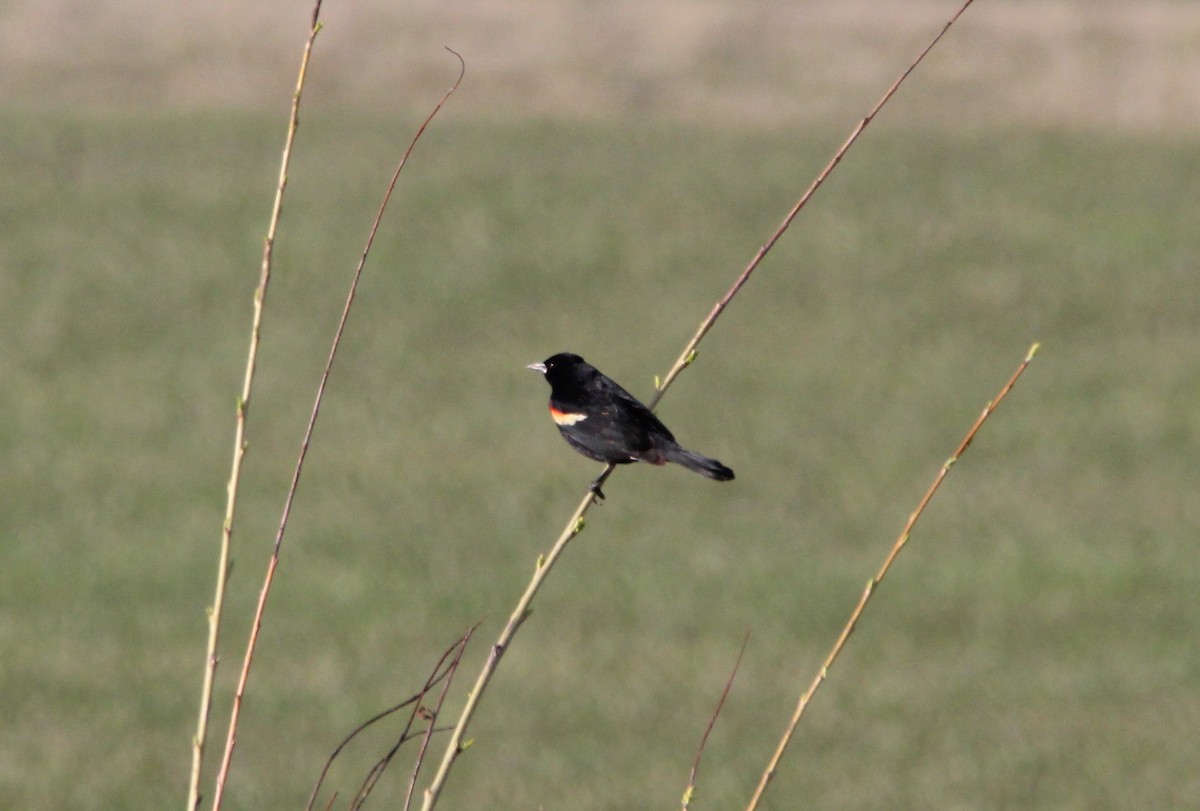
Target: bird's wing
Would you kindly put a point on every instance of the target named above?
(630, 410)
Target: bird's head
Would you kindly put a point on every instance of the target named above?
(561, 366)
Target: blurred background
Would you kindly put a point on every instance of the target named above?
(601, 177)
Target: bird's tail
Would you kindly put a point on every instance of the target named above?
(701, 464)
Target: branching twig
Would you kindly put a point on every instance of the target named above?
(239, 439)
(691, 786)
(575, 523)
(312, 799)
(877, 579)
(433, 716)
(423, 712)
(256, 625)
(439, 673)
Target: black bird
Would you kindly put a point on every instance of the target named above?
(606, 423)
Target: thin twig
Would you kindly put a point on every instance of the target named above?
(848, 629)
(454, 748)
(691, 786)
(436, 676)
(689, 351)
(455, 654)
(434, 713)
(312, 799)
(256, 626)
(239, 439)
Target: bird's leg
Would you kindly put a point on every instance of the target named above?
(594, 488)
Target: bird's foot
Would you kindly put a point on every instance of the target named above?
(594, 489)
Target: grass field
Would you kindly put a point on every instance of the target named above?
(1033, 647)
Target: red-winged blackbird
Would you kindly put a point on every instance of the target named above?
(606, 423)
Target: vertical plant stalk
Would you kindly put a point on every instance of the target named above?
(239, 442)
(873, 584)
(456, 745)
(273, 563)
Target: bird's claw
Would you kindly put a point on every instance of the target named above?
(594, 489)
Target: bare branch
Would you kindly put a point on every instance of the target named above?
(239, 440)
(689, 351)
(441, 673)
(848, 629)
(273, 563)
(433, 716)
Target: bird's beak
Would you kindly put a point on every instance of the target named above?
(537, 367)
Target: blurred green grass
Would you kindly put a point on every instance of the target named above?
(1031, 649)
